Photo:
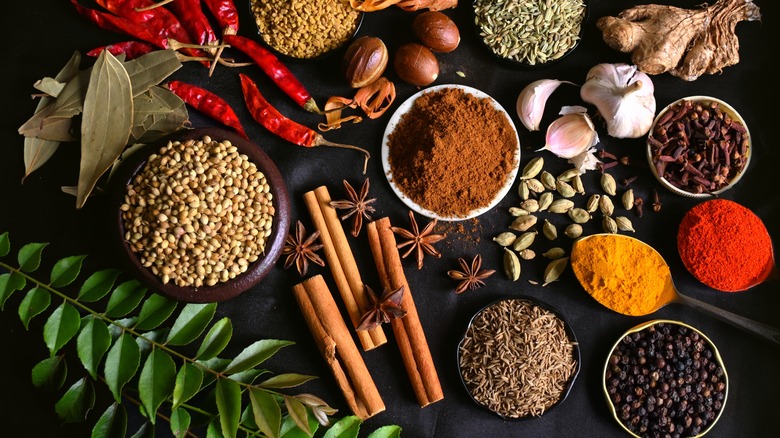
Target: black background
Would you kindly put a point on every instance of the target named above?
(40, 37)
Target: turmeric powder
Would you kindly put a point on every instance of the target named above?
(620, 272)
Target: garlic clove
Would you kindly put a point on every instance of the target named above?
(585, 161)
(532, 100)
(571, 134)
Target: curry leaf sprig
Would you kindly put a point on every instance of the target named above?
(132, 347)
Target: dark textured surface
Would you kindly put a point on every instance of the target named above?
(40, 37)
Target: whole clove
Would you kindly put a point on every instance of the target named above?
(656, 201)
(638, 203)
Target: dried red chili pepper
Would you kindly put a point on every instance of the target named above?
(226, 14)
(275, 69)
(289, 130)
(131, 49)
(192, 19)
(117, 24)
(208, 103)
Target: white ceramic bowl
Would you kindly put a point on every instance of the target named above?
(393, 122)
(726, 108)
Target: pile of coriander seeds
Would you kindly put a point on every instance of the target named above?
(198, 213)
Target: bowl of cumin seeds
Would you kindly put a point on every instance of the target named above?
(518, 358)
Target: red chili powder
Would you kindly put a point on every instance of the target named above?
(724, 245)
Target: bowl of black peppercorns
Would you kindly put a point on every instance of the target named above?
(665, 378)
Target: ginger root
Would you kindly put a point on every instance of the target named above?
(685, 42)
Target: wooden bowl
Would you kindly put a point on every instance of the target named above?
(222, 290)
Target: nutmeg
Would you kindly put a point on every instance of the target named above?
(364, 61)
(415, 64)
(436, 31)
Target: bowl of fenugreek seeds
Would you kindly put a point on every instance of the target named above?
(201, 215)
(305, 29)
(518, 358)
(530, 34)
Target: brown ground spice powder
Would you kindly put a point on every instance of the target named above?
(452, 152)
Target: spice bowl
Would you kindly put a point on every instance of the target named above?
(708, 157)
(665, 377)
(284, 27)
(529, 35)
(494, 361)
(199, 222)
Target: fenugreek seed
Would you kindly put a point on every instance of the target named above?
(506, 238)
(524, 241)
(549, 230)
(609, 225)
(523, 223)
(628, 199)
(624, 224)
(573, 231)
(606, 206)
(530, 205)
(554, 270)
(578, 215)
(533, 168)
(535, 185)
(523, 191)
(527, 254)
(577, 184)
(511, 265)
(593, 203)
(568, 175)
(554, 253)
(545, 199)
(608, 184)
(517, 211)
(548, 180)
(560, 206)
(565, 189)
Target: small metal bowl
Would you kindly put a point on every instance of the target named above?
(290, 57)
(716, 357)
(569, 334)
(675, 188)
(221, 291)
(521, 28)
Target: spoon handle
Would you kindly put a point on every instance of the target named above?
(765, 331)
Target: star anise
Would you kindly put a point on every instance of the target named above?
(422, 241)
(357, 206)
(470, 277)
(301, 249)
(383, 308)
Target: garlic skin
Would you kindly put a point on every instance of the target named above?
(623, 96)
(571, 134)
(533, 98)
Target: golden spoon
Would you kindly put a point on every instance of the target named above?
(612, 288)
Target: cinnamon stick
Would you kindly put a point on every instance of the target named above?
(335, 343)
(342, 264)
(408, 330)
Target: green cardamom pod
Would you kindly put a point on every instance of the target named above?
(554, 270)
(606, 206)
(577, 184)
(624, 224)
(506, 238)
(565, 189)
(579, 215)
(545, 199)
(548, 180)
(560, 206)
(533, 168)
(609, 225)
(524, 241)
(517, 211)
(573, 231)
(628, 199)
(527, 254)
(535, 185)
(522, 190)
(511, 265)
(568, 175)
(554, 253)
(530, 205)
(593, 203)
(608, 184)
(549, 230)
(523, 223)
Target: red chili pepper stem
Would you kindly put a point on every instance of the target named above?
(154, 5)
(319, 140)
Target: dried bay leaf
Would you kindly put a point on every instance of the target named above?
(38, 151)
(106, 121)
(151, 69)
(157, 113)
(50, 86)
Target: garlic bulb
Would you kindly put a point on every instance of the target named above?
(624, 97)
(531, 101)
(571, 134)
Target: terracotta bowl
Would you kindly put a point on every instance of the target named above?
(222, 290)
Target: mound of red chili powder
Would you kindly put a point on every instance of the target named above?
(724, 245)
